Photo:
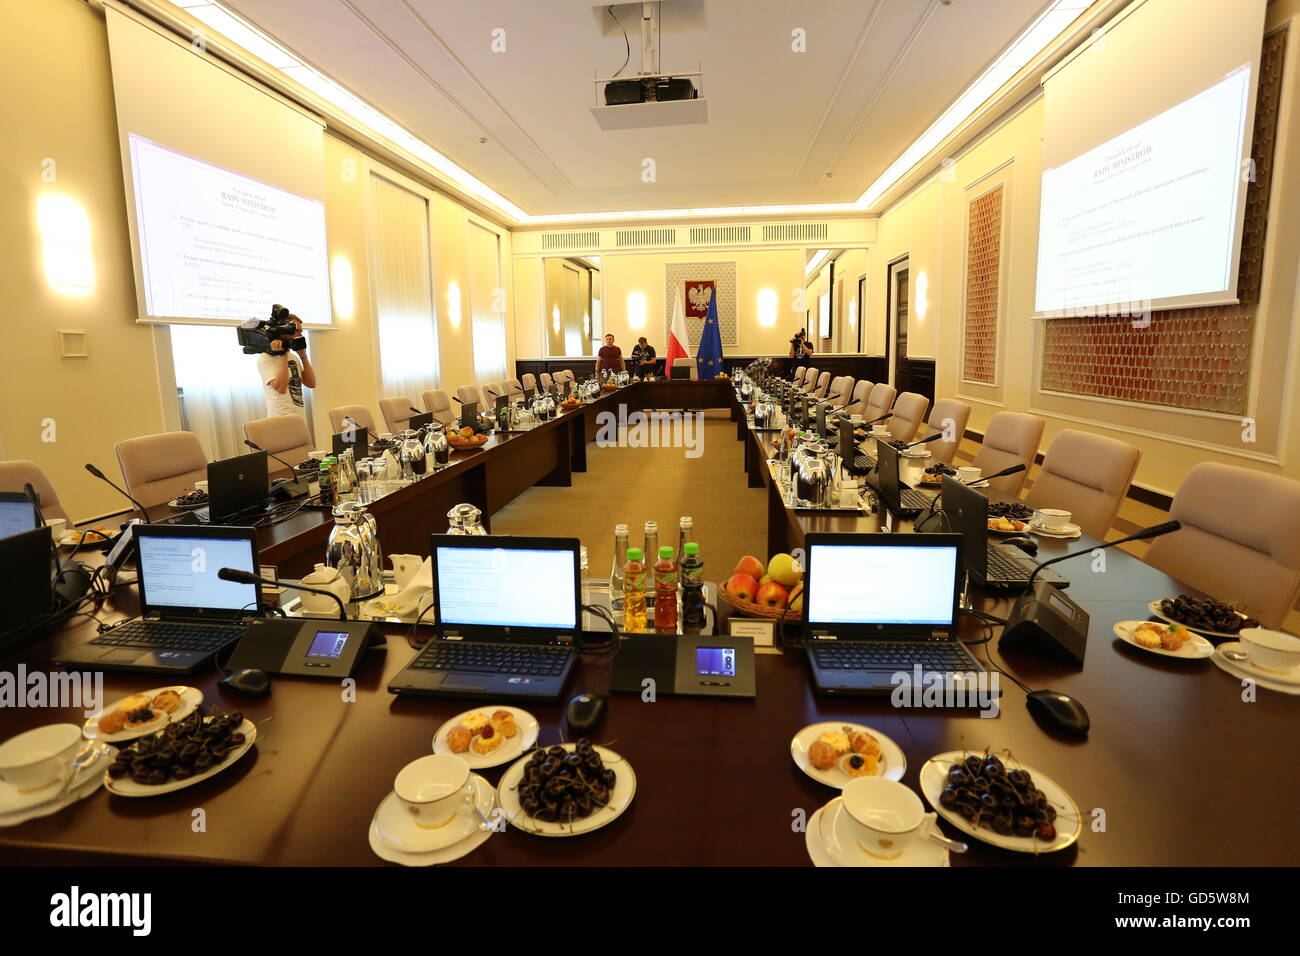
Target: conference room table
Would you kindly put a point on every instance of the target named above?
(1182, 766)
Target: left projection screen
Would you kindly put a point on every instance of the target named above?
(215, 244)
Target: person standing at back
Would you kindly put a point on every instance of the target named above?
(284, 373)
(610, 357)
(644, 359)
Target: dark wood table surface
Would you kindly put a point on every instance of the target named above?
(1178, 769)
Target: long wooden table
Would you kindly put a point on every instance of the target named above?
(1179, 769)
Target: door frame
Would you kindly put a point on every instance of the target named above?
(892, 269)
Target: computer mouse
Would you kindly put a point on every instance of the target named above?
(585, 712)
(249, 682)
(1060, 711)
(1023, 542)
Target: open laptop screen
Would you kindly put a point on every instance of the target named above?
(180, 571)
(17, 514)
(868, 584)
(506, 587)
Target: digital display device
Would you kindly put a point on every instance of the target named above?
(181, 572)
(328, 644)
(715, 662)
(17, 514)
(866, 584)
(506, 587)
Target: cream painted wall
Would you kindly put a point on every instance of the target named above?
(929, 226)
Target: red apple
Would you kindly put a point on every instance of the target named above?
(773, 595)
(750, 565)
(742, 586)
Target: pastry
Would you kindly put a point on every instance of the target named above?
(504, 723)
(458, 740)
(141, 717)
(836, 741)
(112, 722)
(1174, 636)
(822, 755)
(1148, 634)
(859, 765)
(863, 743)
(167, 701)
(474, 722)
(134, 702)
(486, 741)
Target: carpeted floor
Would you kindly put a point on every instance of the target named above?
(636, 485)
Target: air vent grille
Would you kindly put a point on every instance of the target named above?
(571, 240)
(641, 238)
(796, 232)
(720, 235)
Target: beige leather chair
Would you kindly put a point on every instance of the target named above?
(15, 474)
(823, 385)
(879, 401)
(858, 403)
(158, 468)
(546, 380)
(1011, 438)
(437, 402)
(810, 379)
(685, 360)
(357, 413)
(840, 391)
(513, 388)
(530, 381)
(396, 411)
(284, 435)
(564, 375)
(909, 413)
(799, 374)
(1240, 539)
(491, 392)
(1087, 475)
(469, 393)
(948, 413)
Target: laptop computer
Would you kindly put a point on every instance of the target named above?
(237, 490)
(358, 439)
(499, 403)
(877, 605)
(187, 613)
(468, 414)
(26, 593)
(989, 563)
(507, 619)
(528, 394)
(17, 513)
(419, 421)
(680, 372)
(902, 500)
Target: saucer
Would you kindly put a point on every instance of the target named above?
(830, 828)
(88, 780)
(1283, 683)
(1069, 531)
(398, 831)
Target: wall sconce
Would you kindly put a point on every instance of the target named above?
(555, 319)
(636, 310)
(341, 277)
(586, 324)
(453, 304)
(853, 313)
(65, 242)
(922, 294)
(767, 307)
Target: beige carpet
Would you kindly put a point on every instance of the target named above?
(636, 485)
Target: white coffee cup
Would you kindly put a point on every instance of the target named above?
(880, 431)
(58, 528)
(884, 816)
(39, 758)
(1054, 519)
(1271, 650)
(968, 474)
(435, 789)
(201, 485)
(319, 454)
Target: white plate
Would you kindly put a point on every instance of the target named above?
(1069, 822)
(1154, 608)
(398, 831)
(892, 762)
(179, 507)
(1286, 683)
(191, 697)
(511, 748)
(619, 799)
(126, 787)
(831, 839)
(916, 453)
(1196, 648)
(88, 780)
(1069, 531)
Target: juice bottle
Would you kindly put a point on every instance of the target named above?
(634, 573)
(692, 573)
(666, 591)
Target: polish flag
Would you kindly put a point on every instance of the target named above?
(677, 331)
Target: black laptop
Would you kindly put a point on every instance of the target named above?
(237, 490)
(680, 371)
(990, 563)
(419, 421)
(469, 414)
(356, 438)
(508, 619)
(26, 594)
(900, 499)
(880, 605)
(17, 513)
(188, 614)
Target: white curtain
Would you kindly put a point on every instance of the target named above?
(399, 271)
(486, 300)
(220, 385)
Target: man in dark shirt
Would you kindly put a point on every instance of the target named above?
(610, 357)
(643, 357)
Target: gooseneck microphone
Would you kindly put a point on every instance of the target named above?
(257, 447)
(104, 478)
(1155, 531)
(247, 577)
(1012, 470)
(925, 441)
(882, 418)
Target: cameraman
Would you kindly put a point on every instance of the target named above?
(800, 347)
(284, 372)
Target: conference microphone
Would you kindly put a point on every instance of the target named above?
(877, 421)
(1155, 531)
(1012, 470)
(104, 478)
(237, 576)
(257, 447)
(926, 441)
(414, 409)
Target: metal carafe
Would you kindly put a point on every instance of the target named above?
(410, 454)
(813, 476)
(436, 448)
(465, 519)
(354, 550)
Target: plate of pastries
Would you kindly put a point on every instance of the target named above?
(141, 714)
(488, 736)
(1167, 640)
(566, 789)
(835, 752)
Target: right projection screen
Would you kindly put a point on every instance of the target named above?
(1146, 159)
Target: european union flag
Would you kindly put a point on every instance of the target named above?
(708, 358)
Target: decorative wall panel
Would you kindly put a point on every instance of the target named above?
(724, 276)
(983, 285)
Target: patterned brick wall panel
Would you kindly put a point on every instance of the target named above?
(983, 283)
(722, 273)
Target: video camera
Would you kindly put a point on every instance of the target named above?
(799, 337)
(256, 335)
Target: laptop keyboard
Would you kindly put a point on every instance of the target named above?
(1003, 568)
(170, 636)
(890, 655)
(533, 660)
(861, 465)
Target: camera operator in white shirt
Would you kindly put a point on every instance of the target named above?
(284, 373)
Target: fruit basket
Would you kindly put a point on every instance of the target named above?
(751, 609)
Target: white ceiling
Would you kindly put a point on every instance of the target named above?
(784, 127)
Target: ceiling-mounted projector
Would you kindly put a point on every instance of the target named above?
(650, 98)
